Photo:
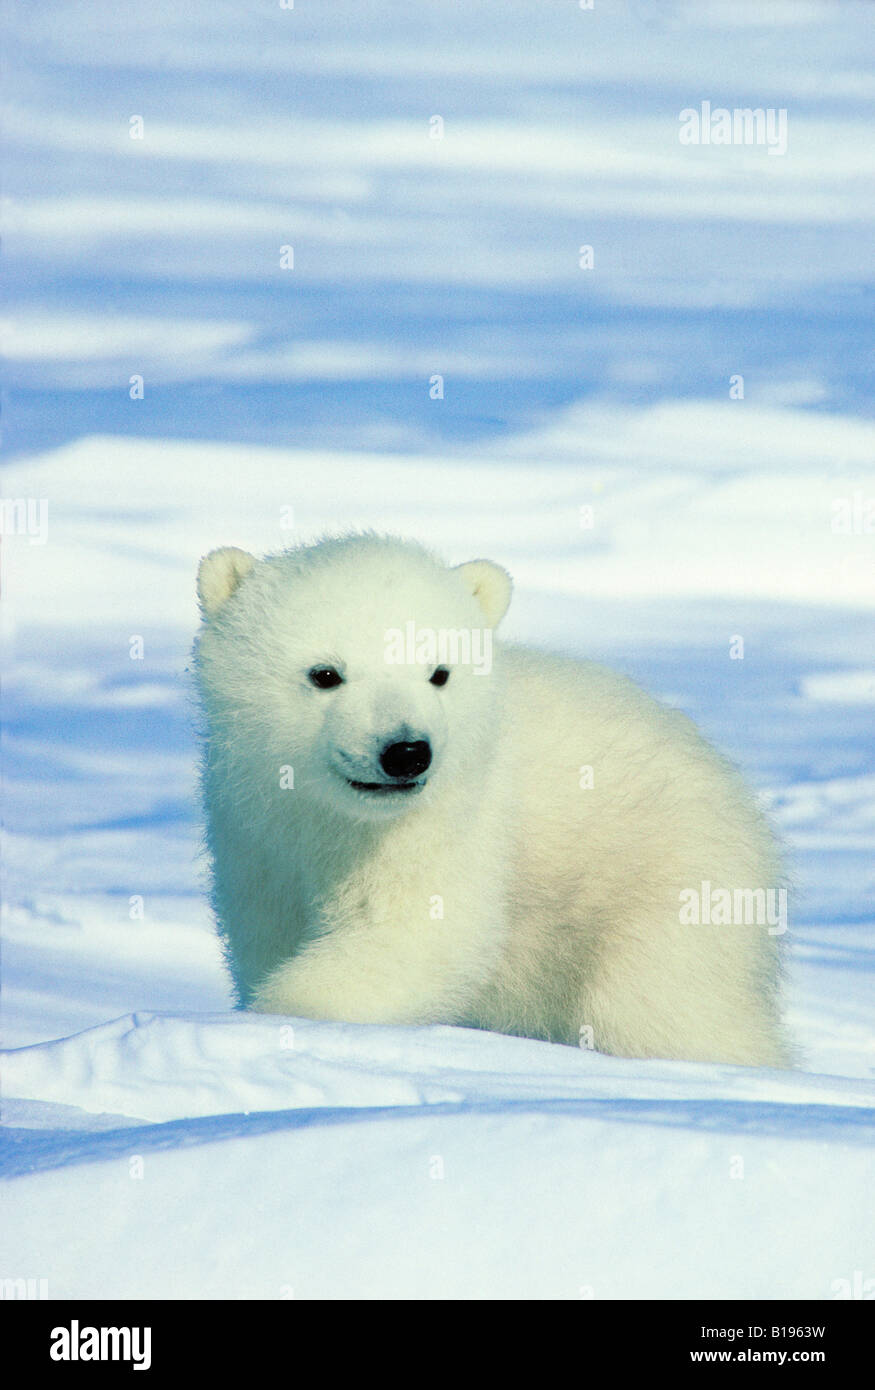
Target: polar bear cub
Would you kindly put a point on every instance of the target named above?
(412, 822)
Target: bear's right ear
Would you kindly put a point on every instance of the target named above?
(219, 574)
(490, 585)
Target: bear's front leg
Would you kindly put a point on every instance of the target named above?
(345, 981)
(404, 974)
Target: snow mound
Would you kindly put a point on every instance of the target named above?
(158, 1068)
(240, 1156)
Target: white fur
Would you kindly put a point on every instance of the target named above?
(560, 904)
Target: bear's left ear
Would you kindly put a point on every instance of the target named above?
(491, 586)
(219, 574)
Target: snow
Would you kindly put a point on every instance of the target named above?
(353, 1161)
(156, 1144)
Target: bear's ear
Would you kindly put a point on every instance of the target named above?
(219, 574)
(491, 586)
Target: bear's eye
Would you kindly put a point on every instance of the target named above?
(325, 677)
(440, 676)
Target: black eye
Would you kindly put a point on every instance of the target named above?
(439, 676)
(325, 677)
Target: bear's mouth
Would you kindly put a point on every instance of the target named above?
(384, 787)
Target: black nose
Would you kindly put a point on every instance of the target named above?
(405, 759)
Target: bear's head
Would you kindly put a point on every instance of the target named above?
(357, 672)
